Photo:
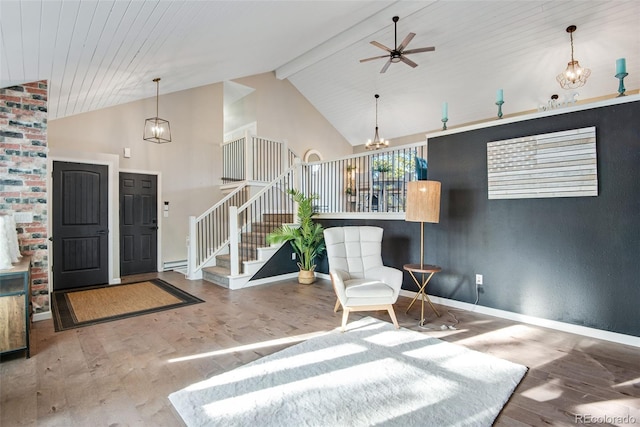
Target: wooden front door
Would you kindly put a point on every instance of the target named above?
(138, 223)
(80, 225)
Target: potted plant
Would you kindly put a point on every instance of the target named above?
(306, 239)
(382, 166)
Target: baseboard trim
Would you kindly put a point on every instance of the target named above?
(41, 316)
(538, 321)
(286, 276)
(173, 265)
(271, 279)
(325, 276)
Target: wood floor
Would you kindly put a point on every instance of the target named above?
(120, 374)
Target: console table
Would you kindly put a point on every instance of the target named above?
(429, 271)
(15, 311)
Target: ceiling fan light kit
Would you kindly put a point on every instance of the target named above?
(398, 53)
(574, 76)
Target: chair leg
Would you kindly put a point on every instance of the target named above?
(337, 307)
(345, 316)
(392, 313)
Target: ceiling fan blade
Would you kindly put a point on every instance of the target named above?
(406, 41)
(408, 62)
(385, 67)
(381, 46)
(375, 57)
(421, 49)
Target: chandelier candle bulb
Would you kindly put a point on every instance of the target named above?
(621, 66)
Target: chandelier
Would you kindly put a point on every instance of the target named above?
(156, 129)
(377, 143)
(574, 76)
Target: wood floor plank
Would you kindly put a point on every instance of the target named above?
(121, 372)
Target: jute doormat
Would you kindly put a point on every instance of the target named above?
(82, 307)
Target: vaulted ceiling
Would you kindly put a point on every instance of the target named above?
(97, 54)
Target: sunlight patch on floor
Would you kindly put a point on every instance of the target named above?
(544, 392)
(339, 380)
(249, 347)
(493, 342)
(631, 383)
(281, 364)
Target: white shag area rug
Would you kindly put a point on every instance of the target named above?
(372, 374)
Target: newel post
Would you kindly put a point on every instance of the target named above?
(248, 156)
(284, 156)
(233, 240)
(192, 249)
(297, 185)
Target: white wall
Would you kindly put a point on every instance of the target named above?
(283, 113)
(190, 165)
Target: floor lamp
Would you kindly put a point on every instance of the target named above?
(423, 205)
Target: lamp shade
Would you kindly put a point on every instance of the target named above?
(423, 201)
(157, 130)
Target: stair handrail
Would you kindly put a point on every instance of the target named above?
(199, 255)
(240, 155)
(237, 225)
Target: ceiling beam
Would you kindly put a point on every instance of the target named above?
(379, 21)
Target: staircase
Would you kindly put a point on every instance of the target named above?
(256, 252)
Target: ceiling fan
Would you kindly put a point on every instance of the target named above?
(398, 53)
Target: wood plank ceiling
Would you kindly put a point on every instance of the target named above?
(98, 54)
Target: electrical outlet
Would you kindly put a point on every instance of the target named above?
(293, 256)
(479, 279)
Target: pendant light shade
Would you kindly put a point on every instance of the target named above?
(376, 143)
(156, 129)
(574, 76)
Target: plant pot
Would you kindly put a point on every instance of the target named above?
(306, 277)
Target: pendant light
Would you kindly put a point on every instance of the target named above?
(574, 76)
(377, 143)
(156, 129)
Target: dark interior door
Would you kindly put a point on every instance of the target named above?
(138, 223)
(80, 225)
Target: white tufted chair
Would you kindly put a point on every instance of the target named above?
(360, 280)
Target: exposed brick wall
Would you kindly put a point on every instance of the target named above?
(23, 168)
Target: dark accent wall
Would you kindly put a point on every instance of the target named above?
(574, 259)
(279, 263)
(400, 245)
